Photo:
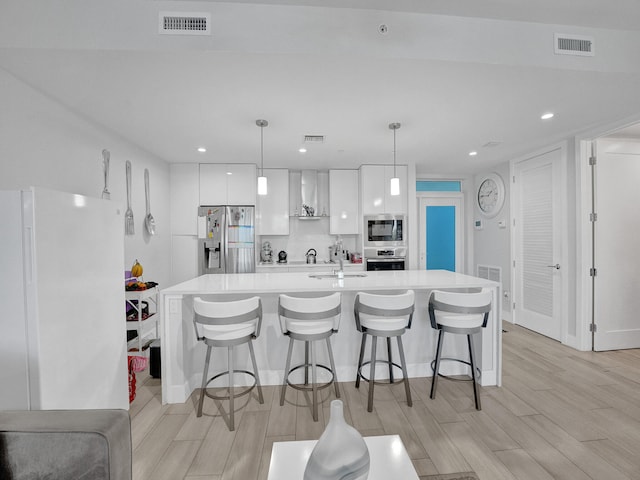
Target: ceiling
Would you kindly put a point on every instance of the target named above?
(471, 75)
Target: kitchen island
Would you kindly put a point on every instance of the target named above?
(183, 356)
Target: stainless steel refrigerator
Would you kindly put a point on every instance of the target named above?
(226, 239)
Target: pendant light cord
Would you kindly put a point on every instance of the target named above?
(394, 126)
(394, 153)
(262, 150)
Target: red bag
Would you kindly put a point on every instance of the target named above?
(131, 360)
(132, 386)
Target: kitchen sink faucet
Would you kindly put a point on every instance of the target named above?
(339, 250)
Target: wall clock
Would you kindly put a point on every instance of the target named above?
(491, 194)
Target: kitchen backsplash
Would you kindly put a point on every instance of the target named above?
(303, 235)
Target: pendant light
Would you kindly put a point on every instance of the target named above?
(394, 187)
(262, 180)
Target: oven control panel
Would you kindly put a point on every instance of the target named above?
(385, 252)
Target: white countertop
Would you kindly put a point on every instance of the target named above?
(281, 282)
(303, 264)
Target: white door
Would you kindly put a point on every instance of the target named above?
(538, 267)
(441, 232)
(617, 239)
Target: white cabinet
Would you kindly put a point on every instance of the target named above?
(227, 184)
(183, 198)
(375, 185)
(343, 202)
(142, 308)
(272, 212)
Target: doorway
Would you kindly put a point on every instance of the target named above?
(441, 231)
(538, 273)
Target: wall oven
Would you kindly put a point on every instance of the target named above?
(385, 258)
(374, 264)
(385, 230)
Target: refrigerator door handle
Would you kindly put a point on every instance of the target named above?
(28, 255)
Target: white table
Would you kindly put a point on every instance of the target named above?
(389, 459)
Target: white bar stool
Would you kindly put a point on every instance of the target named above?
(384, 316)
(309, 319)
(463, 314)
(227, 324)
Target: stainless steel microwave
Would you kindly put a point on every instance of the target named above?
(385, 230)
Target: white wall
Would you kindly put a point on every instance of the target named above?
(43, 143)
(492, 244)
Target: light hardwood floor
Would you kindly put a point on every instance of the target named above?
(560, 414)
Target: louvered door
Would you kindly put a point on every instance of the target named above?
(538, 266)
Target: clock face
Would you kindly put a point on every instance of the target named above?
(490, 195)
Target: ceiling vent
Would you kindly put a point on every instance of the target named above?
(314, 138)
(573, 45)
(184, 23)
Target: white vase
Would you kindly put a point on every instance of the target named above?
(340, 453)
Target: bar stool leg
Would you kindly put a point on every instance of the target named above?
(361, 358)
(472, 356)
(314, 385)
(306, 362)
(372, 373)
(390, 357)
(286, 372)
(407, 389)
(434, 379)
(204, 380)
(333, 368)
(231, 377)
(255, 370)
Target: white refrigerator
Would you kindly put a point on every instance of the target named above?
(62, 305)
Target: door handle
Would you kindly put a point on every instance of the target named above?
(556, 266)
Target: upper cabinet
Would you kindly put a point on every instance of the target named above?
(272, 212)
(343, 202)
(375, 189)
(227, 184)
(183, 198)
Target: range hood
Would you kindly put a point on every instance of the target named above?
(309, 193)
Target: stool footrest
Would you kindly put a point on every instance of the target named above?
(319, 386)
(448, 377)
(381, 382)
(235, 395)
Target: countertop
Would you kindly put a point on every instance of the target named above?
(303, 282)
(303, 264)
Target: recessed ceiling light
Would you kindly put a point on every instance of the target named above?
(202, 149)
(302, 150)
(547, 116)
(229, 173)
(473, 154)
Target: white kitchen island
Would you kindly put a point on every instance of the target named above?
(183, 356)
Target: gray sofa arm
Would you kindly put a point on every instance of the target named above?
(65, 444)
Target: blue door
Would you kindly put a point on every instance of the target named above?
(441, 237)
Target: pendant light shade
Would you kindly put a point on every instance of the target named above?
(262, 180)
(394, 187)
(262, 185)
